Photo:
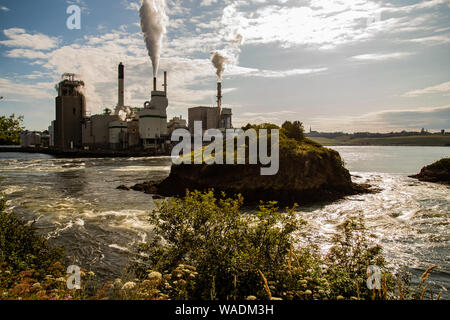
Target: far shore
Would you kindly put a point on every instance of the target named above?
(407, 141)
(144, 154)
(82, 153)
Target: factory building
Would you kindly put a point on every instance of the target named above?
(176, 123)
(30, 139)
(134, 140)
(153, 118)
(96, 130)
(125, 128)
(70, 113)
(211, 117)
(51, 132)
(118, 135)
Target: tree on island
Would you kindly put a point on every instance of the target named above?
(10, 129)
(294, 130)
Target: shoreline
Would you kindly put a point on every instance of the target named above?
(84, 153)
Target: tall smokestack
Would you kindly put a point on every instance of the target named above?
(121, 102)
(219, 95)
(165, 82)
(154, 84)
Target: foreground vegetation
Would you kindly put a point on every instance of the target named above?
(207, 248)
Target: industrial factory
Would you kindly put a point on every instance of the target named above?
(124, 128)
(142, 129)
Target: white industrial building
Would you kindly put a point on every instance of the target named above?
(153, 118)
(30, 139)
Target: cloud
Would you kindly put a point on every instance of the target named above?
(429, 118)
(95, 60)
(3, 8)
(432, 40)
(440, 88)
(18, 37)
(381, 56)
(25, 53)
(277, 117)
(194, 32)
(131, 5)
(17, 91)
(206, 3)
(81, 3)
(325, 24)
(427, 4)
(254, 72)
(434, 118)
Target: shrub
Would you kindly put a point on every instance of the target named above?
(30, 269)
(237, 255)
(21, 247)
(227, 247)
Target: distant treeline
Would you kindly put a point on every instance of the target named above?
(358, 135)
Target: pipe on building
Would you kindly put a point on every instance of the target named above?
(165, 82)
(154, 84)
(219, 94)
(121, 101)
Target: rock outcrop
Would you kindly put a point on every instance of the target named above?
(310, 173)
(438, 172)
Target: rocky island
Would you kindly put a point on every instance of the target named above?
(308, 173)
(438, 172)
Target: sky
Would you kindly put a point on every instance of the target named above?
(335, 65)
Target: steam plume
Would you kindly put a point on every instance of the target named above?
(153, 24)
(218, 62)
(229, 55)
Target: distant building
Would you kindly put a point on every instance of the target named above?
(134, 139)
(30, 139)
(45, 139)
(70, 113)
(51, 132)
(176, 123)
(211, 117)
(118, 135)
(96, 130)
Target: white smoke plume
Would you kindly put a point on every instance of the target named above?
(153, 23)
(230, 55)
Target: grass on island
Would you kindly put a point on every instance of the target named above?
(443, 164)
(293, 144)
(207, 248)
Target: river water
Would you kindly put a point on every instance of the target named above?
(74, 202)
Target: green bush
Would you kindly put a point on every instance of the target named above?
(208, 248)
(226, 246)
(10, 129)
(21, 248)
(237, 255)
